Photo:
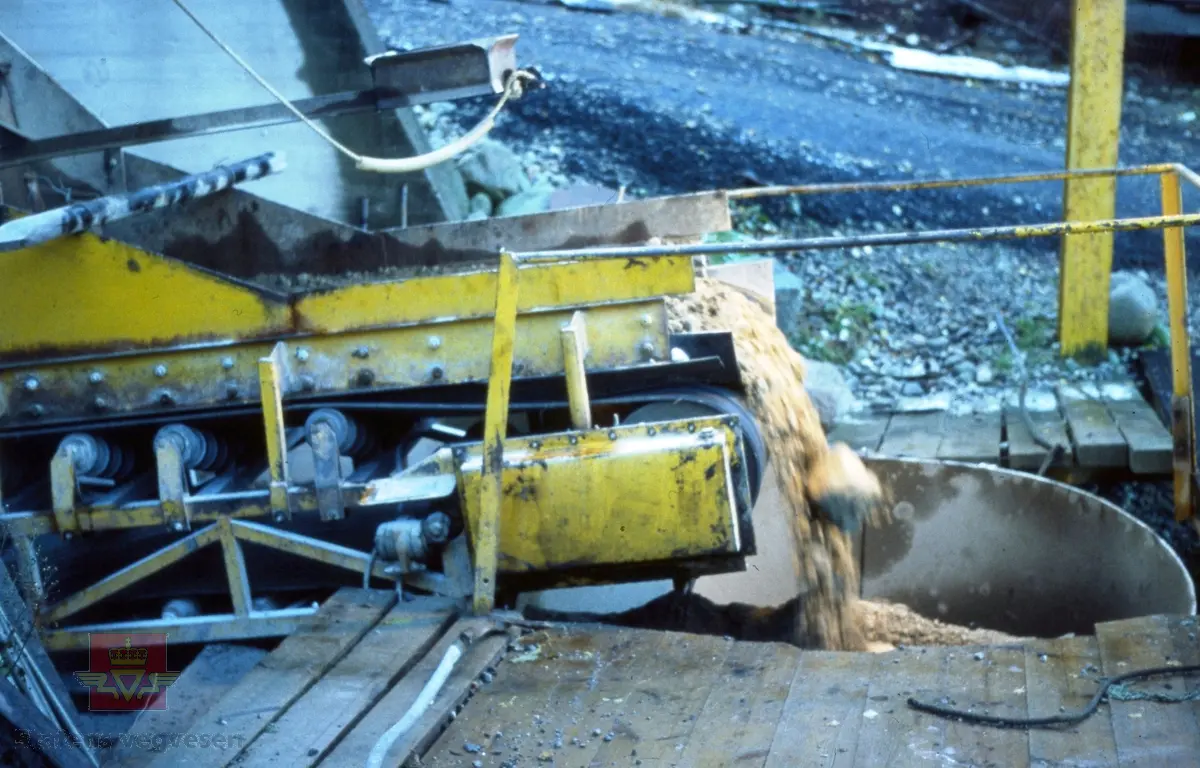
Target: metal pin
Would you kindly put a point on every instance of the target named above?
(434, 342)
(227, 363)
(160, 370)
(95, 377)
(302, 354)
(31, 384)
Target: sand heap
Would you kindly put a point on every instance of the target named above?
(773, 373)
(886, 625)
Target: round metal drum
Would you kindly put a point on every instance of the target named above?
(1015, 552)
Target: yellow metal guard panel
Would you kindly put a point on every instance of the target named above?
(80, 292)
(473, 295)
(644, 496)
(447, 353)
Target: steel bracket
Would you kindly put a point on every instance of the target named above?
(327, 474)
(243, 623)
(271, 373)
(64, 492)
(172, 485)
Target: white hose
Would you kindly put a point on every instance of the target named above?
(513, 89)
(418, 708)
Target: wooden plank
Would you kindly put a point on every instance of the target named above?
(1058, 679)
(770, 695)
(579, 699)
(892, 733)
(823, 712)
(915, 435)
(990, 679)
(1023, 451)
(305, 732)
(482, 653)
(628, 726)
(1147, 733)
(1185, 644)
(720, 727)
(251, 706)
(1150, 445)
(213, 673)
(1097, 440)
(972, 437)
(861, 433)
(671, 701)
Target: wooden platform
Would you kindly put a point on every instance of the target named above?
(1107, 427)
(602, 696)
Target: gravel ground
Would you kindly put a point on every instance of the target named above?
(659, 105)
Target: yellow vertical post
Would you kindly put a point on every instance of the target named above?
(1182, 403)
(1093, 131)
(495, 429)
(574, 347)
(270, 384)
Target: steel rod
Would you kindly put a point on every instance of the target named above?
(978, 234)
(79, 217)
(778, 190)
(173, 128)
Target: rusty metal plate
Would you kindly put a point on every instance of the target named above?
(637, 221)
(1014, 552)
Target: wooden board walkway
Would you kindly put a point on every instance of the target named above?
(601, 696)
(1109, 426)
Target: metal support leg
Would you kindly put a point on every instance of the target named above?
(1093, 129)
(270, 382)
(1183, 428)
(487, 532)
(235, 568)
(575, 347)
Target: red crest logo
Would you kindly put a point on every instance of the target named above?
(127, 672)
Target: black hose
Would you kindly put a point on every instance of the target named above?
(1069, 718)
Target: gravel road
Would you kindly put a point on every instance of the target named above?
(669, 106)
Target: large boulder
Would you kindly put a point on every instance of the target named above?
(829, 392)
(493, 168)
(1132, 310)
(534, 200)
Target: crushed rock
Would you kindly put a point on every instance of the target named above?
(887, 625)
(773, 374)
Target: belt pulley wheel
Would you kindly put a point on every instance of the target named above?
(697, 402)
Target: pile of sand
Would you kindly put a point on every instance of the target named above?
(773, 374)
(886, 625)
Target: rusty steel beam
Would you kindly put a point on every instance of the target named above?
(636, 221)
